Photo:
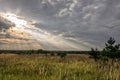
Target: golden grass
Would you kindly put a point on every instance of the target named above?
(42, 67)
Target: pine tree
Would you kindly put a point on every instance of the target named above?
(111, 49)
(111, 46)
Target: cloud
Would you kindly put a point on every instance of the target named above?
(93, 21)
(5, 24)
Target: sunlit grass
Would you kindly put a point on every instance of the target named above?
(39, 67)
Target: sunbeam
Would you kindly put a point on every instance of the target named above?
(43, 38)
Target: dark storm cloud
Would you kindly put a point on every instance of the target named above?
(5, 24)
(91, 20)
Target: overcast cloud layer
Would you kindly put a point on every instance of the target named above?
(83, 22)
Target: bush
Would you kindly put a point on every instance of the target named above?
(95, 54)
(52, 54)
(62, 55)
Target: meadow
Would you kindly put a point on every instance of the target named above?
(53, 67)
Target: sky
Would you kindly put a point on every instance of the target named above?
(58, 24)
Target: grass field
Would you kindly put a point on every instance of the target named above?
(46, 67)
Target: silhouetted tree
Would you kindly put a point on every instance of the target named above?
(111, 46)
(111, 49)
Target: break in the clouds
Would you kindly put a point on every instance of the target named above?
(61, 24)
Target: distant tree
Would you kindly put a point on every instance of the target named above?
(30, 52)
(40, 51)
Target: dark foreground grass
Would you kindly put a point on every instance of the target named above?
(42, 67)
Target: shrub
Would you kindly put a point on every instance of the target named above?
(52, 54)
(62, 54)
(95, 54)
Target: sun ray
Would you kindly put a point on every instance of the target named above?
(39, 37)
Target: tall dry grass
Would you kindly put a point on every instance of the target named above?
(42, 67)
